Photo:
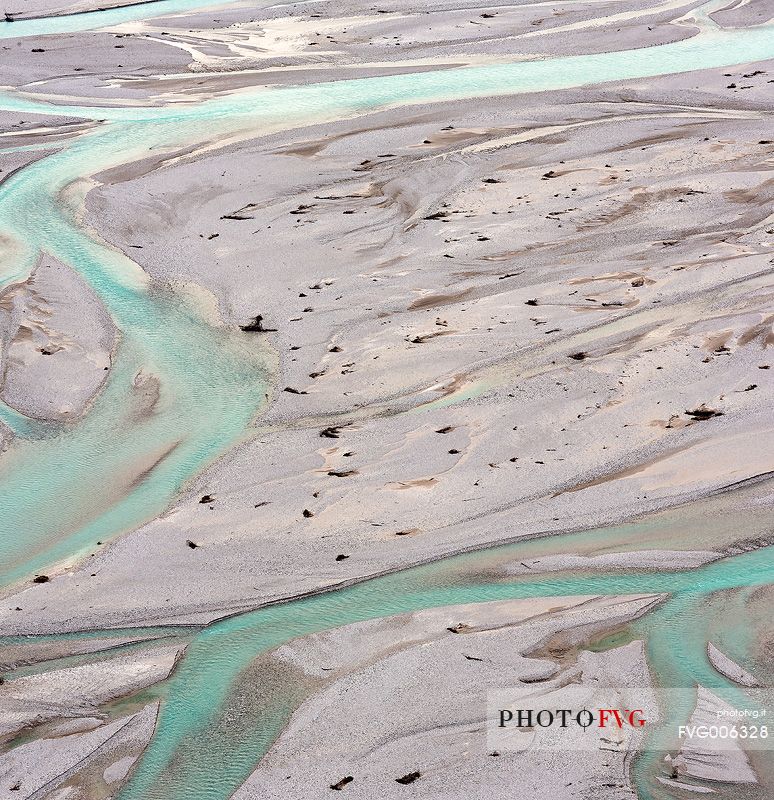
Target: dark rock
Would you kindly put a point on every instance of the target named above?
(339, 785)
(460, 627)
(410, 778)
(703, 412)
(207, 498)
(191, 544)
(577, 356)
(333, 432)
(307, 513)
(41, 579)
(256, 326)
(341, 557)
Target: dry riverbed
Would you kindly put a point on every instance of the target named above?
(491, 319)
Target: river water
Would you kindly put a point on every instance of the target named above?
(66, 486)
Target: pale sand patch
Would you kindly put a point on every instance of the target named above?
(726, 666)
(78, 761)
(74, 692)
(390, 722)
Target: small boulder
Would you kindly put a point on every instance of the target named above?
(703, 412)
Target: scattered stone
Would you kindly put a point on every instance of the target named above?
(638, 281)
(341, 473)
(341, 557)
(256, 326)
(460, 627)
(333, 432)
(41, 579)
(191, 544)
(291, 390)
(410, 778)
(339, 785)
(579, 356)
(207, 498)
(703, 412)
(447, 429)
(307, 513)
